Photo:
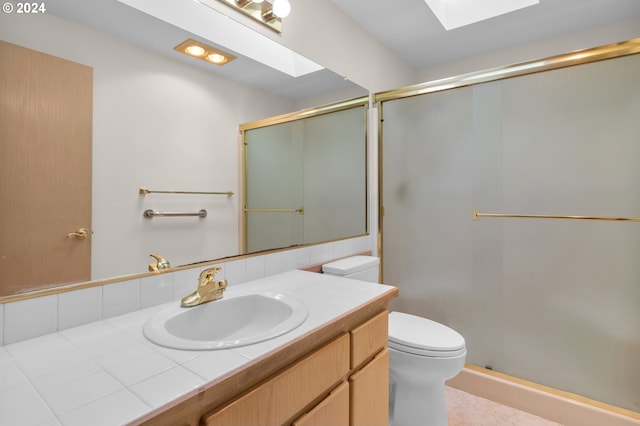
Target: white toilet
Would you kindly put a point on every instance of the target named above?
(422, 355)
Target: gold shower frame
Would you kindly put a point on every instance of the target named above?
(578, 57)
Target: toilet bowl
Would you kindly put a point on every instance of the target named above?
(423, 354)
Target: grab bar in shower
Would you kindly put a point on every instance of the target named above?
(476, 215)
(149, 214)
(145, 191)
(299, 210)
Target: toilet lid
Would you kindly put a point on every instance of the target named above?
(421, 336)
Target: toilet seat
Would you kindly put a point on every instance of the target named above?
(424, 337)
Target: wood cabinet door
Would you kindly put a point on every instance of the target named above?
(369, 338)
(279, 400)
(45, 169)
(333, 410)
(369, 388)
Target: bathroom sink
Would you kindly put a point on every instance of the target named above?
(226, 323)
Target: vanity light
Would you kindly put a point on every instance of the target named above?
(262, 11)
(281, 8)
(202, 51)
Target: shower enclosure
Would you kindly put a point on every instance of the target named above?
(552, 300)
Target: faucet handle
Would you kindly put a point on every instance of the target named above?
(206, 276)
(222, 284)
(160, 264)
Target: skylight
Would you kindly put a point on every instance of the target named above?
(457, 13)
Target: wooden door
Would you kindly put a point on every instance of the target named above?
(45, 169)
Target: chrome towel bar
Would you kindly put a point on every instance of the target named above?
(149, 214)
(476, 215)
(299, 210)
(145, 191)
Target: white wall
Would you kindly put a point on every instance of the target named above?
(612, 33)
(157, 124)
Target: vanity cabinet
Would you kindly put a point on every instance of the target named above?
(333, 410)
(369, 381)
(282, 397)
(335, 375)
(344, 382)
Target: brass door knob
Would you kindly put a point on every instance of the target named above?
(80, 234)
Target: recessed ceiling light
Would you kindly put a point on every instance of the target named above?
(205, 52)
(216, 58)
(195, 50)
(201, 19)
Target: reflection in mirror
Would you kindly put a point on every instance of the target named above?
(161, 121)
(305, 179)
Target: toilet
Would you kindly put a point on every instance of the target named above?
(423, 354)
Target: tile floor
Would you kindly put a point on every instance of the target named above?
(466, 409)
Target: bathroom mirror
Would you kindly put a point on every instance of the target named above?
(162, 121)
(305, 178)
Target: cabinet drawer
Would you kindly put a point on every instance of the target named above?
(333, 410)
(283, 396)
(369, 338)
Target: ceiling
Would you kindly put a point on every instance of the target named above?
(117, 19)
(426, 43)
(406, 27)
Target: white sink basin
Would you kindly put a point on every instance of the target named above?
(226, 323)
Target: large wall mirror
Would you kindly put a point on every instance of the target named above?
(305, 178)
(162, 121)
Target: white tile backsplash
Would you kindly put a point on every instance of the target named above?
(273, 264)
(185, 282)
(255, 268)
(303, 257)
(79, 307)
(25, 319)
(236, 271)
(29, 318)
(120, 298)
(315, 255)
(156, 290)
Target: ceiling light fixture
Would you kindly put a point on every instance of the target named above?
(266, 13)
(203, 51)
(281, 8)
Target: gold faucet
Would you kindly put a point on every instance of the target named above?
(208, 289)
(160, 264)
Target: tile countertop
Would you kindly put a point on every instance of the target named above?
(108, 373)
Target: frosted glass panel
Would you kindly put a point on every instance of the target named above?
(553, 301)
(335, 175)
(317, 164)
(274, 180)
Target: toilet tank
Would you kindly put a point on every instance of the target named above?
(363, 268)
